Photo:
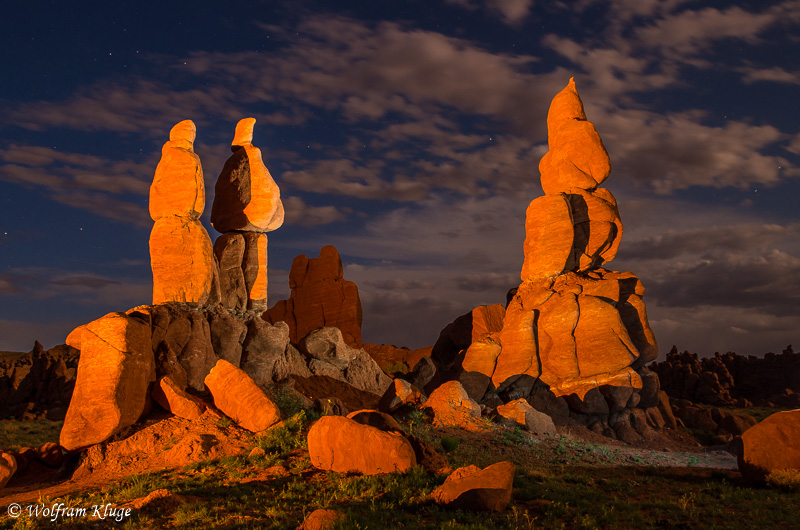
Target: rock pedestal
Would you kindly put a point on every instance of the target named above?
(572, 323)
(183, 263)
(247, 204)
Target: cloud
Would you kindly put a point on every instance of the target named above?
(775, 74)
(701, 241)
(300, 213)
(511, 12)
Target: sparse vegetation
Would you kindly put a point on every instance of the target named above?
(560, 482)
(785, 479)
(15, 435)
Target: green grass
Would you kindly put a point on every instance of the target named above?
(560, 483)
(15, 435)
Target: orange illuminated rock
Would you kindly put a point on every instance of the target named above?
(8, 466)
(254, 270)
(246, 197)
(178, 187)
(182, 261)
(473, 488)
(74, 337)
(519, 413)
(549, 234)
(321, 519)
(237, 395)
(174, 399)
(387, 355)
(115, 371)
(577, 157)
(481, 356)
(452, 407)
(320, 297)
(770, 445)
(336, 443)
(398, 394)
(471, 327)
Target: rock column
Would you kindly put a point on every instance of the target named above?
(247, 204)
(572, 323)
(181, 255)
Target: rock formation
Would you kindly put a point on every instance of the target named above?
(247, 204)
(184, 269)
(320, 297)
(730, 379)
(571, 323)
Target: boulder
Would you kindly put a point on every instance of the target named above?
(8, 466)
(321, 519)
(473, 488)
(227, 335)
(246, 197)
(174, 399)
(519, 412)
(388, 356)
(398, 394)
(770, 445)
(336, 443)
(238, 396)
(268, 355)
(320, 297)
(115, 372)
(374, 418)
(178, 188)
(254, 270)
(50, 454)
(471, 327)
(452, 407)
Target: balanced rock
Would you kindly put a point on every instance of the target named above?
(236, 395)
(473, 488)
(770, 445)
(115, 372)
(246, 197)
(178, 188)
(336, 443)
(320, 297)
(577, 157)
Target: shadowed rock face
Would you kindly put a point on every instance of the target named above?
(320, 297)
(247, 203)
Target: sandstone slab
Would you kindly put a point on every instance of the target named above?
(237, 395)
(115, 372)
(452, 407)
(175, 400)
(472, 488)
(519, 412)
(336, 443)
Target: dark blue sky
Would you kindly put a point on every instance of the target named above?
(408, 134)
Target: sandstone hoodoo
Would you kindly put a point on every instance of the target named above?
(184, 269)
(247, 204)
(320, 297)
(572, 324)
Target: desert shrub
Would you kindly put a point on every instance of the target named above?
(449, 443)
(287, 401)
(785, 479)
(286, 437)
(400, 367)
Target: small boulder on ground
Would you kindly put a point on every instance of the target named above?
(336, 443)
(50, 454)
(473, 488)
(771, 445)
(175, 400)
(452, 407)
(321, 519)
(240, 398)
(519, 412)
(8, 466)
(400, 393)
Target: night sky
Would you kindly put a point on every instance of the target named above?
(408, 135)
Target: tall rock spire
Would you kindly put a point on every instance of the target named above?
(247, 204)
